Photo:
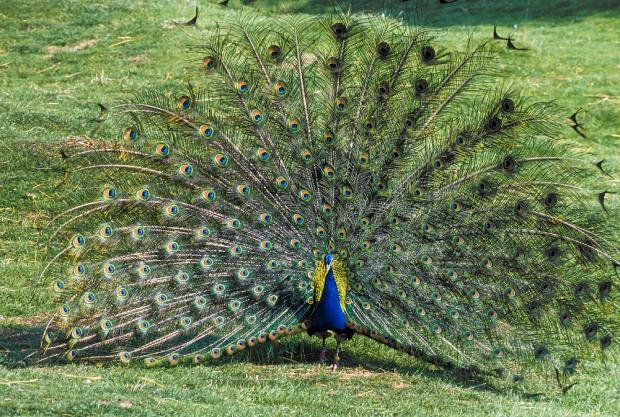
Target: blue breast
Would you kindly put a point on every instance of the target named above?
(328, 314)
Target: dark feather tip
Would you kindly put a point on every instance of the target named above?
(512, 46)
(601, 199)
(573, 116)
(496, 35)
(102, 108)
(447, 1)
(579, 132)
(193, 20)
(599, 165)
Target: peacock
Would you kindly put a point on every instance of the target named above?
(342, 176)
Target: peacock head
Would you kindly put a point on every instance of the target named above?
(328, 259)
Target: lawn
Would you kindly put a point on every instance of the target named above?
(58, 59)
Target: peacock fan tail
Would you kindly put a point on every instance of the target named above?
(462, 230)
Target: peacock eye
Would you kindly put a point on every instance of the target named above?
(208, 63)
(221, 161)
(186, 170)
(294, 125)
(274, 52)
(421, 86)
(428, 53)
(383, 50)
(205, 131)
(280, 88)
(306, 155)
(184, 102)
(162, 149)
(256, 116)
(262, 154)
(109, 193)
(341, 103)
(507, 105)
(328, 137)
(241, 86)
(130, 134)
(494, 124)
(333, 64)
(339, 30)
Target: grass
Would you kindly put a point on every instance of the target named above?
(59, 58)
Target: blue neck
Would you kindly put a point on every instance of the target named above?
(328, 314)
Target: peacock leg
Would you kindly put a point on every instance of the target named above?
(323, 353)
(339, 340)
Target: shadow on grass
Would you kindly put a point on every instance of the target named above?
(17, 342)
(461, 12)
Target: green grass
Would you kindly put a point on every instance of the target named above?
(58, 59)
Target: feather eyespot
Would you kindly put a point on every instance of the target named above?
(162, 149)
(172, 247)
(88, 298)
(328, 137)
(203, 232)
(294, 125)
(341, 104)
(341, 233)
(208, 63)
(265, 218)
(362, 159)
(333, 64)
(327, 209)
(171, 210)
(320, 232)
(256, 116)
(421, 86)
(507, 105)
(295, 244)
(383, 50)
(494, 124)
(184, 102)
(209, 195)
(242, 86)
(236, 250)
(262, 154)
(130, 134)
(328, 172)
(339, 30)
(369, 124)
(144, 271)
(305, 195)
(509, 164)
(298, 219)
(207, 262)
(591, 330)
(279, 88)
(58, 285)
(105, 325)
(274, 52)
(233, 223)
(265, 245)
(200, 302)
(79, 270)
(186, 170)
(604, 289)
(78, 241)
(550, 200)
(121, 293)
(109, 193)
(410, 120)
(383, 89)
(243, 190)
(428, 53)
(306, 156)
(105, 231)
(143, 194)
(281, 183)
(138, 232)
(347, 192)
(221, 160)
(206, 131)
